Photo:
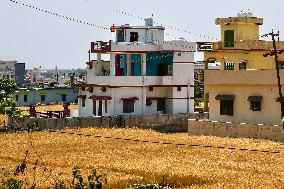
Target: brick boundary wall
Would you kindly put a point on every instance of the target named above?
(235, 130)
(161, 123)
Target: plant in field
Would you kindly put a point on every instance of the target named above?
(95, 181)
(160, 185)
(8, 182)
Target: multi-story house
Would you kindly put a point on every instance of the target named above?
(143, 74)
(13, 70)
(245, 89)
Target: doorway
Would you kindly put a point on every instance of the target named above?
(100, 110)
(133, 36)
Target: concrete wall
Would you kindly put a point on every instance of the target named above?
(241, 130)
(161, 123)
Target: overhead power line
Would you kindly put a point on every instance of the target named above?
(168, 26)
(90, 24)
(59, 15)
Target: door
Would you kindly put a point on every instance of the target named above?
(133, 36)
(100, 110)
(229, 38)
(94, 107)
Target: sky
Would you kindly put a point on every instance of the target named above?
(41, 39)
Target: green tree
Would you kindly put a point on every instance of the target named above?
(7, 87)
(9, 108)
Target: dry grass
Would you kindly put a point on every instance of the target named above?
(2, 119)
(45, 108)
(128, 162)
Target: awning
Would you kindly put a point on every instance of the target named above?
(94, 97)
(224, 97)
(81, 96)
(155, 98)
(130, 99)
(255, 98)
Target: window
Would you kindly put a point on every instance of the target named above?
(17, 97)
(83, 100)
(103, 89)
(151, 88)
(179, 54)
(229, 37)
(148, 102)
(128, 106)
(42, 98)
(178, 88)
(25, 98)
(226, 107)
(133, 36)
(136, 64)
(120, 35)
(242, 66)
(255, 103)
(226, 104)
(281, 64)
(229, 66)
(63, 97)
(161, 105)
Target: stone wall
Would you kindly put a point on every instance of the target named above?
(242, 130)
(161, 123)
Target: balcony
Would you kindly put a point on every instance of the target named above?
(132, 80)
(135, 46)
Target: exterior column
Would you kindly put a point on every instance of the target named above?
(112, 65)
(144, 71)
(128, 64)
(112, 108)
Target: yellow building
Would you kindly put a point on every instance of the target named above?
(245, 88)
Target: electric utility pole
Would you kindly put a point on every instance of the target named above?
(275, 53)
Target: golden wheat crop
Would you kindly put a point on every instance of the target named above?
(128, 162)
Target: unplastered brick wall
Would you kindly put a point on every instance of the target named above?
(161, 123)
(240, 130)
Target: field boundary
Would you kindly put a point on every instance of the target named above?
(160, 123)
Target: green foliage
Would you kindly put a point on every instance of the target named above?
(9, 108)
(7, 87)
(197, 91)
(7, 182)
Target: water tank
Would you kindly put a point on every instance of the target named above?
(149, 21)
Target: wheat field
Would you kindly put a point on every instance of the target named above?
(128, 162)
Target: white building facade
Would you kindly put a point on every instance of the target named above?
(144, 75)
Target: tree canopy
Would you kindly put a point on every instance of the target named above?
(7, 87)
